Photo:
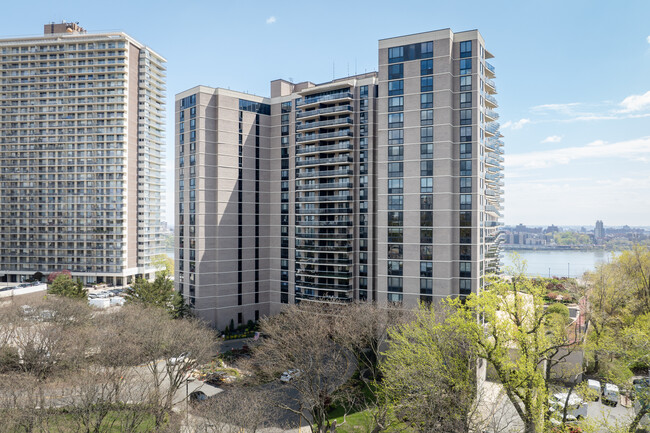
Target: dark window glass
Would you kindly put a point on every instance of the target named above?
(426, 67)
(426, 117)
(396, 120)
(465, 117)
(395, 153)
(466, 83)
(426, 84)
(426, 269)
(426, 150)
(426, 286)
(465, 184)
(466, 100)
(465, 66)
(466, 201)
(395, 267)
(466, 49)
(396, 136)
(426, 201)
(396, 219)
(426, 184)
(395, 169)
(395, 87)
(426, 235)
(426, 168)
(395, 284)
(465, 236)
(396, 103)
(466, 168)
(426, 252)
(394, 251)
(465, 150)
(395, 234)
(395, 54)
(426, 100)
(465, 252)
(465, 133)
(426, 134)
(396, 71)
(465, 287)
(426, 219)
(426, 49)
(465, 219)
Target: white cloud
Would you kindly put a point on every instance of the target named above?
(515, 125)
(637, 150)
(552, 139)
(568, 108)
(636, 102)
(270, 20)
(648, 39)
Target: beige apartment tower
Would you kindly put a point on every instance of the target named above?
(382, 187)
(81, 155)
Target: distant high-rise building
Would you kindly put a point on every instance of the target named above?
(599, 230)
(383, 187)
(82, 129)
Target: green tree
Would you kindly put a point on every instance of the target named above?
(163, 263)
(63, 285)
(513, 337)
(157, 293)
(429, 375)
(179, 309)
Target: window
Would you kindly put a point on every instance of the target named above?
(426, 67)
(426, 269)
(465, 219)
(426, 235)
(426, 150)
(465, 252)
(465, 150)
(465, 133)
(395, 54)
(394, 251)
(466, 49)
(426, 201)
(285, 107)
(426, 184)
(465, 117)
(396, 103)
(465, 287)
(396, 120)
(396, 136)
(465, 184)
(426, 84)
(395, 234)
(466, 168)
(395, 298)
(426, 134)
(396, 219)
(395, 186)
(465, 66)
(466, 83)
(426, 168)
(426, 252)
(395, 169)
(396, 71)
(426, 117)
(465, 100)
(426, 219)
(426, 100)
(395, 87)
(426, 49)
(395, 153)
(394, 284)
(465, 236)
(395, 267)
(465, 201)
(426, 286)
(363, 91)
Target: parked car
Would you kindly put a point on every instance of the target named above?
(178, 359)
(576, 407)
(594, 385)
(611, 394)
(289, 375)
(197, 396)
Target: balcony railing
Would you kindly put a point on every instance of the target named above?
(322, 111)
(343, 145)
(324, 98)
(333, 185)
(490, 67)
(325, 173)
(492, 127)
(332, 122)
(324, 198)
(320, 161)
(491, 99)
(322, 211)
(316, 137)
(492, 114)
(323, 223)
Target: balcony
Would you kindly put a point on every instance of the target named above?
(494, 144)
(322, 161)
(324, 136)
(323, 111)
(323, 274)
(490, 100)
(491, 114)
(309, 100)
(324, 198)
(323, 261)
(324, 211)
(489, 70)
(324, 223)
(325, 249)
(343, 145)
(324, 236)
(319, 186)
(492, 128)
(490, 86)
(322, 286)
(324, 123)
(324, 173)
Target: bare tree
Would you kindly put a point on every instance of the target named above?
(302, 339)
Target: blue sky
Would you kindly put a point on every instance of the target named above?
(573, 77)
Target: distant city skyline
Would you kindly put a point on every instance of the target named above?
(573, 111)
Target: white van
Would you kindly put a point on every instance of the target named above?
(576, 408)
(611, 394)
(594, 385)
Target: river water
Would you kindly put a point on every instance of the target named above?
(558, 263)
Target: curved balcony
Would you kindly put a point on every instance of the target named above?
(324, 198)
(324, 123)
(321, 161)
(490, 100)
(491, 114)
(323, 211)
(317, 99)
(490, 87)
(343, 145)
(320, 186)
(317, 137)
(323, 111)
(324, 173)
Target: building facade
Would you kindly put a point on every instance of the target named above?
(382, 187)
(81, 155)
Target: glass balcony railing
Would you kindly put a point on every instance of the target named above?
(491, 99)
(324, 123)
(323, 111)
(324, 98)
(324, 198)
(492, 114)
(492, 127)
(320, 161)
(324, 223)
(318, 186)
(490, 67)
(343, 145)
(316, 137)
(325, 173)
(322, 211)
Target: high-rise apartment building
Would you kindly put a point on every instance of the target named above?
(81, 155)
(381, 187)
